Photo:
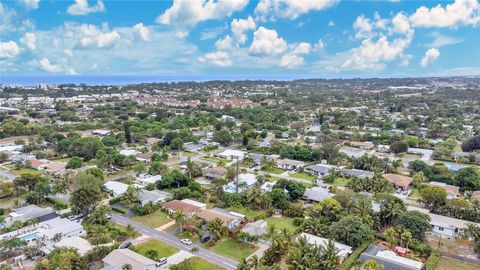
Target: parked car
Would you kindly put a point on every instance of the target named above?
(205, 238)
(161, 262)
(186, 241)
(125, 245)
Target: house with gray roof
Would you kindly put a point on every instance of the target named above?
(389, 259)
(153, 196)
(356, 173)
(317, 194)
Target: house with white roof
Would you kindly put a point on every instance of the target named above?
(145, 180)
(120, 257)
(77, 242)
(343, 250)
(153, 196)
(245, 181)
(289, 164)
(317, 194)
(231, 154)
(115, 188)
(389, 259)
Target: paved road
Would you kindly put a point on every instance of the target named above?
(174, 241)
(8, 176)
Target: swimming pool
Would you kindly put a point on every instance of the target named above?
(204, 182)
(30, 236)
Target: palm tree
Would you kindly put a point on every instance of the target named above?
(330, 259)
(130, 230)
(194, 250)
(216, 228)
(391, 236)
(253, 196)
(253, 262)
(407, 237)
(127, 267)
(391, 210)
(315, 226)
(60, 187)
(371, 265)
(131, 195)
(180, 218)
(151, 254)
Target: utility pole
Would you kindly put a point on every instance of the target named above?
(236, 177)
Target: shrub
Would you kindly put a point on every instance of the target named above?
(298, 221)
(432, 261)
(119, 210)
(350, 261)
(115, 200)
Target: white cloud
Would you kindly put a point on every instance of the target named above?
(291, 61)
(266, 42)
(68, 52)
(240, 26)
(220, 58)
(48, 66)
(29, 39)
(9, 49)
(461, 12)
(430, 56)
(181, 34)
(190, 12)
(142, 31)
(81, 7)
(301, 48)
(211, 33)
(30, 4)
(363, 27)
(331, 24)
(441, 40)
(225, 43)
(319, 46)
(374, 54)
(289, 9)
(401, 25)
(92, 37)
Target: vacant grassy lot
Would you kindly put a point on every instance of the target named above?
(201, 264)
(281, 222)
(26, 171)
(274, 170)
(340, 181)
(304, 176)
(153, 220)
(248, 212)
(449, 264)
(231, 248)
(163, 250)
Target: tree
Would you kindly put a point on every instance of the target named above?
(157, 168)
(468, 179)
(7, 246)
(390, 208)
(223, 137)
(74, 163)
(126, 130)
(151, 254)
(399, 147)
(127, 267)
(372, 265)
(416, 222)
(433, 197)
(180, 218)
(351, 231)
(406, 236)
(295, 189)
(64, 259)
(176, 144)
(217, 228)
(85, 199)
(332, 175)
(330, 151)
(280, 199)
(471, 144)
(391, 236)
(130, 197)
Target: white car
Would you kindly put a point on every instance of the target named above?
(186, 241)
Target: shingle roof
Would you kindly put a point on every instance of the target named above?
(181, 206)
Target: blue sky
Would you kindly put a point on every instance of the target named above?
(324, 38)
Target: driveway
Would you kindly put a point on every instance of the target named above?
(174, 241)
(177, 258)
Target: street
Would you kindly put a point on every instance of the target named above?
(174, 241)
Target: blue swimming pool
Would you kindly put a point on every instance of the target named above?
(29, 236)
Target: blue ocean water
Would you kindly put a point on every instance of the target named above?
(29, 80)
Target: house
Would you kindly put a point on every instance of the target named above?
(317, 194)
(55, 169)
(476, 195)
(30, 212)
(193, 147)
(129, 152)
(231, 220)
(389, 259)
(60, 226)
(145, 157)
(452, 191)
(101, 132)
(146, 180)
(201, 205)
(363, 145)
(343, 250)
(245, 181)
(154, 196)
(356, 173)
(115, 188)
(399, 181)
(120, 257)
(76, 242)
(259, 159)
(267, 187)
(321, 170)
(226, 118)
(176, 205)
(37, 164)
(256, 228)
(215, 173)
(231, 154)
(21, 158)
(289, 164)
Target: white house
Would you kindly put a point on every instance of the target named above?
(343, 250)
(290, 164)
(231, 154)
(153, 196)
(246, 181)
(120, 257)
(145, 180)
(115, 188)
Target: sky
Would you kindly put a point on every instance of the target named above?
(307, 38)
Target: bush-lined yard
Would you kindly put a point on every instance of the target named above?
(163, 250)
(154, 220)
(233, 249)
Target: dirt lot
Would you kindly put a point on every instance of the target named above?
(459, 247)
(451, 264)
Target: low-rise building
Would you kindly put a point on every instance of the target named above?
(186, 208)
(244, 181)
(215, 173)
(231, 154)
(231, 220)
(120, 257)
(115, 188)
(399, 181)
(343, 250)
(317, 194)
(356, 173)
(153, 196)
(452, 191)
(289, 164)
(389, 259)
(30, 212)
(256, 228)
(320, 170)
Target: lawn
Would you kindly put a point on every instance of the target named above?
(154, 220)
(248, 212)
(216, 159)
(163, 250)
(304, 176)
(282, 222)
(340, 181)
(26, 171)
(231, 248)
(274, 170)
(201, 264)
(447, 264)
(187, 154)
(415, 195)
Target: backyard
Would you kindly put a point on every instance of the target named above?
(234, 249)
(163, 250)
(201, 264)
(340, 181)
(448, 264)
(282, 222)
(249, 213)
(304, 176)
(274, 170)
(154, 220)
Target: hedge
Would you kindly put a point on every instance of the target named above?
(432, 261)
(119, 210)
(56, 201)
(115, 200)
(350, 261)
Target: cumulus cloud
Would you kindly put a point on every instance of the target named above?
(190, 12)
(289, 9)
(81, 7)
(142, 31)
(93, 37)
(441, 40)
(240, 26)
(401, 24)
(46, 65)
(430, 56)
(29, 39)
(363, 27)
(220, 59)
(181, 34)
(266, 42)
(225, 43)
(9, 49)
(461, 12)
(30, 4)
(294, 57)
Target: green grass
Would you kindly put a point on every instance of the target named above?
(163, 249)
(216, 159)
(340, 181)
(187, 154)
(282, 222)
(248, 212)
(415, 195)
(10, 201)
(447, 264)
(201, 264)
(273, 178)
(304, 176)
(154, 220)
(26, 171)
(233, 249)
(274, 170)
